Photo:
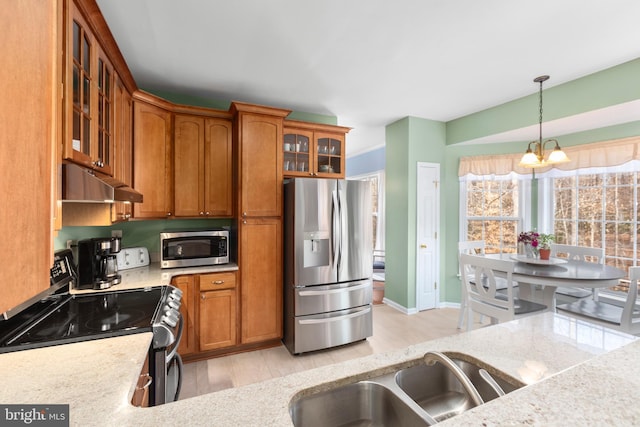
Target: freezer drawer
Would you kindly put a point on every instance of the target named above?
(326, 330)
(335, 297)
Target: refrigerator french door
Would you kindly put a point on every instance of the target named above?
(328, 263)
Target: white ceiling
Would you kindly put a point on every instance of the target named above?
(371, 62)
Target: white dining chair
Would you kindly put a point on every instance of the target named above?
(474, 247)
(581, 253)
(483, 295)
(624, 318)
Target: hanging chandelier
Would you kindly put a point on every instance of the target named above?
(534, 158)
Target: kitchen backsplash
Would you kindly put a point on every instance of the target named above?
(137, 233)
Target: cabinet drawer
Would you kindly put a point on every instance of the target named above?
(215, 281)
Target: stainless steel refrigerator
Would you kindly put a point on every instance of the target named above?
(328, 291)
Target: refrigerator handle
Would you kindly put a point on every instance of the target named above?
(336, 318)
(335, 228)
(344, 232)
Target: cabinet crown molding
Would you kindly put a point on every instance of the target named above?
(243, 107)
(316, 126)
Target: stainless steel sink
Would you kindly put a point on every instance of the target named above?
(441, 394)
(363, 403)
(419, 395)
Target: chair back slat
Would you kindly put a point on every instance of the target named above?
(482, 289)
(630, 314)
(581, 253)
(473, 247)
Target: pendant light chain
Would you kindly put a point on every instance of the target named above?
(541, 111)
(534, 158)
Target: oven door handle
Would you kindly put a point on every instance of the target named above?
(176, 344)
(180, 370)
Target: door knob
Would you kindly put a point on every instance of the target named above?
(423, 246)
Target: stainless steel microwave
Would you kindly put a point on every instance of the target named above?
(194, 248)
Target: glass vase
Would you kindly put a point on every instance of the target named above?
(529, 252)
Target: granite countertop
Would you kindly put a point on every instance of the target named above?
(153, 275)
(579, 374)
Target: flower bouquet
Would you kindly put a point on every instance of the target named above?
(536, 243)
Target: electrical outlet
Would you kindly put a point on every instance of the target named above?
(116, 233)
(71, 243)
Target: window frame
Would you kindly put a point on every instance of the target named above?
(546, 191)
(524, 204)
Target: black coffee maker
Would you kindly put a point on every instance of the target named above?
(97, 263)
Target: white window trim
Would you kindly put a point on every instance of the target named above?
(524, 201)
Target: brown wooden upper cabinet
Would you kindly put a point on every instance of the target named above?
(89, 79)
(202, 166)
(313, 150)
(152, 157)
(122, 147)
(259, 131)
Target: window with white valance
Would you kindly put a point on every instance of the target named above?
(591, 200)
(613, 153)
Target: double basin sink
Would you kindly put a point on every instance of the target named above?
(439, 387)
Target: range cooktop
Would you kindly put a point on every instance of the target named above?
(65, 318)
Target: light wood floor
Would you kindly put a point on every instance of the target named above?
(392, 330)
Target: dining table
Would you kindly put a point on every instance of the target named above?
(538, 279)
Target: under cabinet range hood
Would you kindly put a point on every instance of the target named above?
(84, 185)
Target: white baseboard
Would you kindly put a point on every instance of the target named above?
(414, 310)
(449, 305)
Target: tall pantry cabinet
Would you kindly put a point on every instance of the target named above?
(258, 132)
(30, 109)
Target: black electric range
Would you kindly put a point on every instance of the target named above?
(62, 318)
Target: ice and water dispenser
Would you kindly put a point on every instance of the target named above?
(317, 249)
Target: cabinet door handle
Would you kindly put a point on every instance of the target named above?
(217, 282)
(168, 213)
(149, 381)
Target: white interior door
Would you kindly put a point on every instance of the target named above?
(427, 226)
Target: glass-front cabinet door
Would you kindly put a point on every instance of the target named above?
(80, 63)
(297, 160)
(88, 97)
(330, 154)
(313, 149)
(103, 155)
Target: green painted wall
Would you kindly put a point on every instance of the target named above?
(218, 104)
(409, 141)
(598, 90)
(137, 233)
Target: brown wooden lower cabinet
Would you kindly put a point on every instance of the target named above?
(218, 311)
(260, 256)
(217, 319)
(141, 394)
(210, 312)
